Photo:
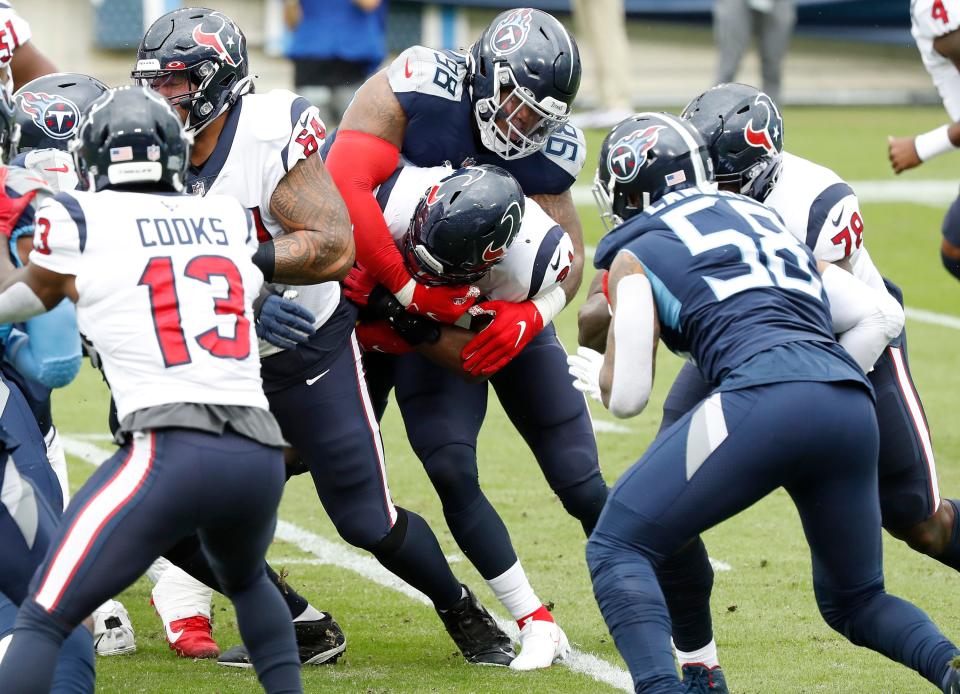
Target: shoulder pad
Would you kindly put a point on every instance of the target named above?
(933, 18)
(567, 148)
(428, 71)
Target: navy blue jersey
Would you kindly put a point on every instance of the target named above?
(731, 283)
(431, 88)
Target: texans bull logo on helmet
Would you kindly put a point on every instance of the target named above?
(466, 178)
(767, 133)
(511, 32)
(629, 153)
(56, 116)
(515, 217)
(226, 40)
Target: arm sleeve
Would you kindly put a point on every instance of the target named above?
(49, 350)
(633, 322)
(865, 319)
(358, 163)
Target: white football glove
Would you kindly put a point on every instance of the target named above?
(584, 366)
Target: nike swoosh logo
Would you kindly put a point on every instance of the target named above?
(59, 169)
(172, 636)
(523, 328)
(406, 69)
(556, 265)
(311, 381)
(836, 222)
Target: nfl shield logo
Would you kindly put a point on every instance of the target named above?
(153, 152)
(198, 188)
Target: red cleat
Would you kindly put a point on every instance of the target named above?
(190, 637)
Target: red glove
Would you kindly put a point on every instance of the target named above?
(11, 209)
(444, 304)
(358, 284)
(378, 336)
(513, 326)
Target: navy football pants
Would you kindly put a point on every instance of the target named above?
(158, 488)
(30, 508)
(732, 450)
(443, 414)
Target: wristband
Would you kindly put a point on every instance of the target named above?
(551, 303)
(265, 259)
(933, 143)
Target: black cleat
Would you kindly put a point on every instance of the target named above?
(702, 679)
(477, 636)
(951, 683)
(319, 642)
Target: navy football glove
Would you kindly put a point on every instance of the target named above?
(281, 322)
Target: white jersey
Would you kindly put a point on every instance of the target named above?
(930, 19)
(538, 259)
(14, 32)
(264, 136)
(166, 286)
(822, 211)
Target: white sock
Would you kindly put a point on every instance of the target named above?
(706, 655)
(178, 595)
(311, 614)
(157, 568)
(514, 591)
(58, 461)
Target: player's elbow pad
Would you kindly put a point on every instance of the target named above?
(57, 373)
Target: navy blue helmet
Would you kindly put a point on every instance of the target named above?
(463, 226)
(743, 130)
(202, 55)
(642, 159)
(130, 137)
(524, 58)
(49, 108)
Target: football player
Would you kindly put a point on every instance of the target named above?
(757, 324)
(259, 148)
(46, 354)
(32, 501)
(20, 60)
(506, 102)
(935, 25)
(186, 404)
(472, 225)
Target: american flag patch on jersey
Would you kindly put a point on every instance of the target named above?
(674, 178)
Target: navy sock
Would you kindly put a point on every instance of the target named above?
(686, 579)
(296, 603)
(411, 551)
(481, 534)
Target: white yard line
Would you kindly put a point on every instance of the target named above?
(337, 554)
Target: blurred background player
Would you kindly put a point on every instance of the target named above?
(507, 103)
(208, 414)
(474, 225)
(737, 22)
(334, 45)
(603, 29)
(260, 149)
(765, 340)
(935, 25)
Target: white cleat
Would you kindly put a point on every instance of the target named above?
(112, 630)
(541, 645)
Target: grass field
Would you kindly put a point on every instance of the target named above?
(770, 634)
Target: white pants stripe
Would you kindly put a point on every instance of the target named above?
(91, 519)
(919, 422)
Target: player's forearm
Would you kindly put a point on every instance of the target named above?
(448, 349)
(562, 210)
(593, 318)
(28, 63)
(311, 257)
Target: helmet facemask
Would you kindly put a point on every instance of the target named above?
(505, 105)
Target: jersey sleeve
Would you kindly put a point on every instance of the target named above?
(307, 133)
(421, 72)
(567, 149)
(835, 224)
(60, 235)
(538, 259)
(933, 18)
(14, 32)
